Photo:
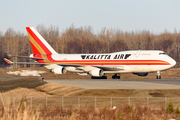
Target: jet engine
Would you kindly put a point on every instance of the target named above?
(58, 70)
(141, 74)
(96, 72)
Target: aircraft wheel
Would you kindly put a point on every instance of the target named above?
(104, 77)
(115, 77)
(92, 77)
(158, 77)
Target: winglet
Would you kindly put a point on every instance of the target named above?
(7, 61)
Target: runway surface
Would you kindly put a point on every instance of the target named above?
(120, 84)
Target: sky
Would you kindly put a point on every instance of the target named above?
(126, 15)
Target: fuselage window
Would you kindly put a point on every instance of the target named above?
(162, 54)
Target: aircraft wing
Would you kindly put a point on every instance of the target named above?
(110, 68)
(36, 63)
(105, 68)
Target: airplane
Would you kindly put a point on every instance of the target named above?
(138, 62)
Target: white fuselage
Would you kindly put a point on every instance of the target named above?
(135, 61)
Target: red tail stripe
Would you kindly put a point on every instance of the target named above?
(46, 50)
(109, 64)
(35, 51)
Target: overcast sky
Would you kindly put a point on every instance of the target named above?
(127, 15)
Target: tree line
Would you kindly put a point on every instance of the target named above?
(85, 40)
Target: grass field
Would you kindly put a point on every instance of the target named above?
(31, 83)
(10, 82)
(56, 101)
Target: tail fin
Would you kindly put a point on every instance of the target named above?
(38, 43)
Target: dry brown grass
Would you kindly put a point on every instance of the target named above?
(19, 92)
(58, 89)
(124, 112)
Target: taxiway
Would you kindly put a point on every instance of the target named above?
(120, 84)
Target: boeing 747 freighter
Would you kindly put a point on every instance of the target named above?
(139, 62)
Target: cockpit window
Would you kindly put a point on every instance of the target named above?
(162, 54)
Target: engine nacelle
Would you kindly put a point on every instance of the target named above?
(96, 72)
(141, 74)
(58, 70)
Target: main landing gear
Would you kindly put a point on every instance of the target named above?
(158, 75)
(115, 76)
(103, 77)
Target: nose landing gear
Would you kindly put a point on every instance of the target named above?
(115, 76)
(158, 75)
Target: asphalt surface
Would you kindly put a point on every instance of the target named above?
(120, 84)
(158, 81)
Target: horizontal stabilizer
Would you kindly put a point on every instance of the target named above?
(26, 57)
(33, 63)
